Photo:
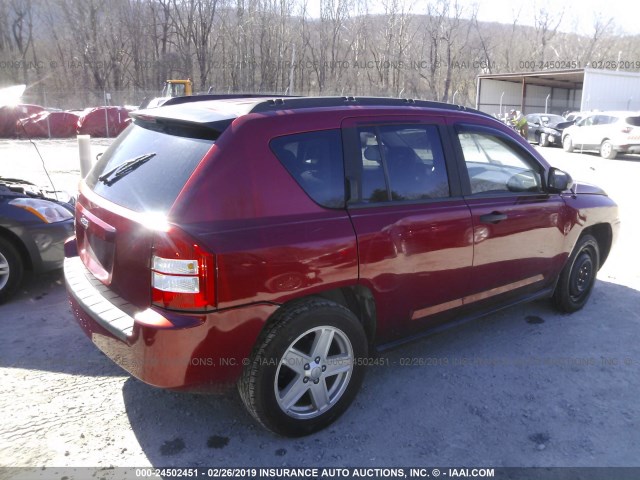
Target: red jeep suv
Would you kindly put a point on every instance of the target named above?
(275, 243)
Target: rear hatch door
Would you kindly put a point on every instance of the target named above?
(126, 196)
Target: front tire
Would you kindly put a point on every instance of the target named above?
(578, 276)
(544, 140)
(11, 269)
(304, 371)
(567, 144)
(607, 151)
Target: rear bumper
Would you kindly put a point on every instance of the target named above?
(203, 352)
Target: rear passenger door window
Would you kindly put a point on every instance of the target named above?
(315, 161)
(604, 120)
(400, 163)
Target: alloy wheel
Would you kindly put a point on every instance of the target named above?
(5, 271)
(314, 372)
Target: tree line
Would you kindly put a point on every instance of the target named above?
(75, 50)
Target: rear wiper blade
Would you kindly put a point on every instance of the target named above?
(125, 168)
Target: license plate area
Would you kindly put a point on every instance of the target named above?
(96, 244)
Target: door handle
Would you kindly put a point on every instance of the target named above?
(493, 217)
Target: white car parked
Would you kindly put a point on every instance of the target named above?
(609, 133)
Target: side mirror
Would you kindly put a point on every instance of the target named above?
(525, 181)
(537, 124)
(372, 153)
(558, 181)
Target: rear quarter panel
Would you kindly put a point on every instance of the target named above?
(272, 242)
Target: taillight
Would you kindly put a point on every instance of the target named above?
(182, 273)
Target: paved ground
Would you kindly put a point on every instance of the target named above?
(526, 387)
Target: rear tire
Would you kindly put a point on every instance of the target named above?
(304, 371)
(607, 151)
(567, 144)
(578, 276)
(11, 269)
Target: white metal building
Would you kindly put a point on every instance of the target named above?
(558, 91)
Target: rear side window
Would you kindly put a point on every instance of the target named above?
(402, 163)
(315, 161)
(155, 183)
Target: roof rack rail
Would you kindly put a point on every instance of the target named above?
(286, 103)
(219, 96)
(274, 101)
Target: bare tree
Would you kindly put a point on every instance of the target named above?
(183, 14)
(389, 53)
(5, 37)
(431, 45)
(546, 26)
(237, 47)
(129, 47)
(202, 38)
(84, 19)
(329, 50)
(22, 33)
(455, 35)
(601, 28)
(359, 26)
(486, 57)
(514, 35)
(162, 31)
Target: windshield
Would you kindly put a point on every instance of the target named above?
(551, 119)
(151, 185)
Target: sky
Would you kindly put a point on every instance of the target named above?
(578, 15)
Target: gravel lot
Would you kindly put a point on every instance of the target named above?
(525, 387)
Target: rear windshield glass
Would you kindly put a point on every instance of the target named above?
(635, 121)
(154, 184)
